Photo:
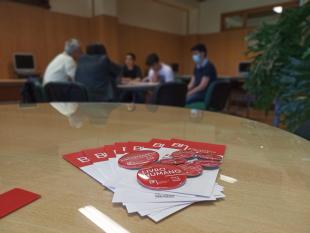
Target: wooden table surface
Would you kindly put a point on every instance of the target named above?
(272, 166)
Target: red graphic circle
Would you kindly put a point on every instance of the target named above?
(209, 155)
(161, 177)
(191, 169)
(174, 161)
(208, 163)
(183, 154)
(138, 159)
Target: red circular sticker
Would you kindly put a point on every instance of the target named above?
(138, 159)
(209, 155)
(208, 163)
(161, 177)
(183, 154)
(174, 161)
(191, 169)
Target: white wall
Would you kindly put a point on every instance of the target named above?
(73, 7)
(152, 15)
(106, 7)
(141, 13)
(84, 7)
(211, 10)
(194, 21)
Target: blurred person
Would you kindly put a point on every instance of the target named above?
(204, 74)
(63, 67)
(158, 71)
(130, 71)
(98, 73)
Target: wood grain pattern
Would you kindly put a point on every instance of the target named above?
(105, 29)
(272, 194)
(36, 31)
(144, 41)
(43, 33)
(226, 50)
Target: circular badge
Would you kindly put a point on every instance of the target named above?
(183, 154)
(191, 169)
(209, 155)
(174, 161)
(208, 163)
(138, 159)
(161, 177)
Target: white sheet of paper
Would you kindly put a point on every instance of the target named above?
(125, 195)
(158, 216)
(127, 178)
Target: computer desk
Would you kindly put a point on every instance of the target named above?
(10, 89)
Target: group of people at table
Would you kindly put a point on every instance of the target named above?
(100, 75)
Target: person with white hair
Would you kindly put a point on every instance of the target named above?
(63, 67)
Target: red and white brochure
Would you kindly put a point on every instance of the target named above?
(84, 163)
(127, 178)
(121, 147)
(100, 158)
(145, 196)
(220, 149)
(156, 143)
(136, 146)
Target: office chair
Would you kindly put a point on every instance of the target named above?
(171, 94)
(66, 92)
(216, 96)
(304, 130)
(33, 92)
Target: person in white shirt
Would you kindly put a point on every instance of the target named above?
(159, 72)
(63, 67)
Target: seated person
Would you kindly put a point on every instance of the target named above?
(63, 67)
(98, 73)
(204, 74)
(130, 71)
(158, 71)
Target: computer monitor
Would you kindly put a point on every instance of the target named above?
(244, 68)
(24, 63)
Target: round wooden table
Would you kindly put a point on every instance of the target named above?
(272, 167)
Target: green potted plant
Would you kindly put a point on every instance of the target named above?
(280, 72)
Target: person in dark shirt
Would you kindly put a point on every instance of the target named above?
(204, 74)
(130, 71)
(98, 73)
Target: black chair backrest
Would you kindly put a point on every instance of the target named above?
(217, 95)
(66, 92)
(304, 130)
(171, 94)
(33, 91)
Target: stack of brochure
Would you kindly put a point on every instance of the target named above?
(156, 178)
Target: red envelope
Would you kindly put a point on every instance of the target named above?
(15, 199)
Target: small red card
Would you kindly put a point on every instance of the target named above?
(15, 199)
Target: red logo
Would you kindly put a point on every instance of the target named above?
(184, 154)
(138, 159)
(161, 177)
(208, 163)
(173, 161)
(209, 155)
(191, 169)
